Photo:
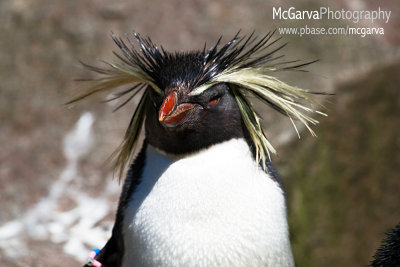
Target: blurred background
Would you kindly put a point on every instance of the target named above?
(57, 195)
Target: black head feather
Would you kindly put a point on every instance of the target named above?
(198, 67)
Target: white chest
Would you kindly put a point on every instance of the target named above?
(212, 208)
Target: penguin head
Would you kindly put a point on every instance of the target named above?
(178, 122)
(195, 99)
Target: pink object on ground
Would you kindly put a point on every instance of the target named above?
(92, 262)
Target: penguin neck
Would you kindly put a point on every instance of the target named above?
(204, 161)
(239, 145)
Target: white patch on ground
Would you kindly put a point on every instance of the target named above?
(76, 228)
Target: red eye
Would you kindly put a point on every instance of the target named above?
(214, 101)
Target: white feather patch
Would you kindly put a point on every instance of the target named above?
(212, 208)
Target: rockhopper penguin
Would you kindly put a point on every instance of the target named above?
(202, 190)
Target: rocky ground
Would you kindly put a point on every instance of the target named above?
(57, 194)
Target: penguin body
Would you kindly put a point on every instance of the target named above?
(215, 207)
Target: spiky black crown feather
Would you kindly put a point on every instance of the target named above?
(244, 63)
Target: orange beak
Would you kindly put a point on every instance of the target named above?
(171, 114)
